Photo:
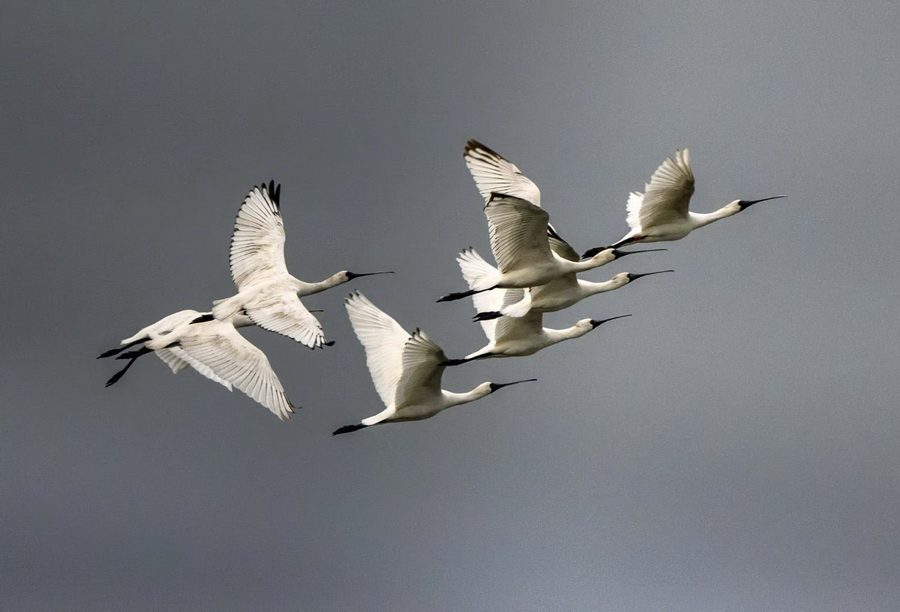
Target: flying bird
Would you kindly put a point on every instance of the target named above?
(213, 348)
(266, 291)
(520, 244)
(560, 293)
(661, 212)
(521, 335)
(406, 368)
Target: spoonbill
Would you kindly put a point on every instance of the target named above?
(558, 294)
(406, 368)
(522, 335)
(520, 244)
(266, 291)
(215, 349)
(661, 212)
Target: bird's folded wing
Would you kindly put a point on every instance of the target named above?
(284, 313)
(234, 359)
(257, 243)
(184, 359)
(383, 340)
(494, 174)
(518, 232)
(560, 246)
(668, 194)
(420, 379)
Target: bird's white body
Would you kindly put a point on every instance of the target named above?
(266, 291)
(406, 368)
(661, 212)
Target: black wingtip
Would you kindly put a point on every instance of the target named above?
(203, 319)
(329, 343)
(348, 429)
(274, 193)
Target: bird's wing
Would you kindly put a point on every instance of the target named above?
(518, 232)
(560, 246)
(282, 312)
(512, 326)
(233, 358)
(169, 357)
(183, 359)
(494, 174)
(667, 196)
(257, 243)
(383, 340)
(422, 369)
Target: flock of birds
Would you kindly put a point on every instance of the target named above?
(536, 272)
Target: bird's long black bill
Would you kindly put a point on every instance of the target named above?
(637, 276)
(748, 203)
(495, 386)
(619, 254)
(597, 323)
(352, 275)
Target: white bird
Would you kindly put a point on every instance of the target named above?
(406, 368)
(519, 242)
(523, 335)
(266, 291)
(560, 293)
(661, 212)
(215, 349)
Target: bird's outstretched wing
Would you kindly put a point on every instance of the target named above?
(422, 370)
(282, 312)
(257, 243)
(518, 232)
(233, 358)
(177, 359)
(383, 340)
(666, 197)
(494, 174)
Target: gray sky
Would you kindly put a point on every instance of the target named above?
(731, 446)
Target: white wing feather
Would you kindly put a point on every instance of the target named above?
(495, 174)
(518, 233)
(234, 359)
(666, 197)
(257, 243)
(283, 312)
(422, 369)
(383, 340)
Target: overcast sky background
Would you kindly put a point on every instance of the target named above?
(733, 445)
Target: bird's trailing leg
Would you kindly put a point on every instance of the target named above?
(348, 429)
(131, 356)
(463, 294)
(487, 316)
(119, 349)
(456, 362)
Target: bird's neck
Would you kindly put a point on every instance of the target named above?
(588, 288)
(558, 335)
(701, 219)
(455, 399)
(305, 288)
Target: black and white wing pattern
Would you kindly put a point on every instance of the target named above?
(257, 243)
(495, 174)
